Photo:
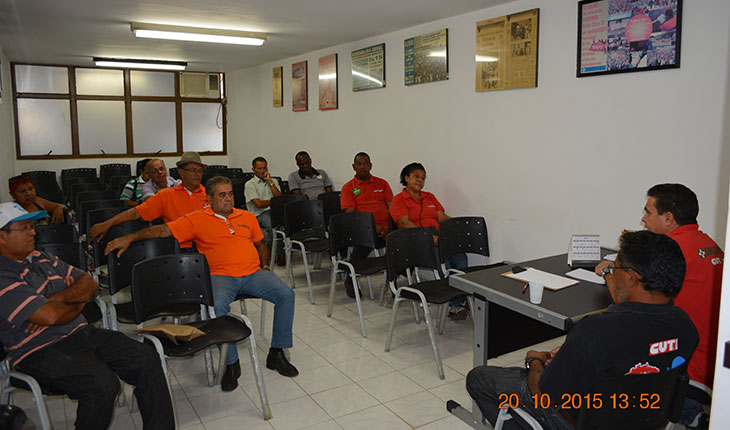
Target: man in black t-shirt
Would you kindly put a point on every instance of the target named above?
(643, 332)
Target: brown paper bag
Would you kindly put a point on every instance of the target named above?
(175, 332)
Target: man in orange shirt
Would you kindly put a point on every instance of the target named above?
(168, 204)
(233, 244)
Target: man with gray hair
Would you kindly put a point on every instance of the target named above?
(159, 180)
(233, 244)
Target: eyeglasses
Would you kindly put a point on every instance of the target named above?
(27, 228)
(611, 269)
(196, 171)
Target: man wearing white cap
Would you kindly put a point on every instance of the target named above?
(45, 335)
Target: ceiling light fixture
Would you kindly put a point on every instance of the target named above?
(196, 34)
(132, 63)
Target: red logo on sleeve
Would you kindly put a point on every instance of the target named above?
(642, 368)
(664, 346)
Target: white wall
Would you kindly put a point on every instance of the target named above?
(7, 138)
(571, 156)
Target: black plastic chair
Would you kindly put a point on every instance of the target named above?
(120, 278)
(356, 229)
(90, 205)
(106, 171)
(42, 177)
(664, 393)
(239, 195)
(330, 205)
(117, 183)
(81, 187)
(234, 172)
(284, 185)
(407, 250)
(67, 174)
(304, 228)
(12, 380)
(172, 171)
(277, 219)
(462, 235)
(56, 233)
(183, 280)
(214, 170)
(50, 192)
(87, 196)
(123, 229)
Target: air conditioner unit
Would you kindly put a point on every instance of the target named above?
(200, 85)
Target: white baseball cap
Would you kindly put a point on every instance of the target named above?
(11, 212)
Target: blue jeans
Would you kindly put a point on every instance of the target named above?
(262, 284)
(86, 366)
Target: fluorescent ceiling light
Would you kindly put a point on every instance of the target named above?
(196, 34)
(132, 63)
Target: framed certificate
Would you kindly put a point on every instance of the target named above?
(328, 82)
(299, 86)
(368, 68)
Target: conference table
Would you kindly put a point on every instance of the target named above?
(559, 309)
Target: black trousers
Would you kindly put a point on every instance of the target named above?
(85, 367)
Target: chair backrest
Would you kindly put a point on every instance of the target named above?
(90, 205)
(81, 187)
(172, 171)
(646, 401)
(117, 182)
(234, 172)
(160, 282)
(119, 230)
(56, 233)
(239, 194)
(351, 229)
(409, 248)
(71, 253)
(330, 205)
(120, 268)
(49, 191)
(303, 215)
(463, 235)
(85, 196)
(277, 207)
(106, 171)
(283, 185)
(42, 177)
(214, 170)
(85, 172)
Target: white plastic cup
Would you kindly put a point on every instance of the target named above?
(536, 289)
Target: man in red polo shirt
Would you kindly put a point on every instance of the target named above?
(234, 246)
(169, 203)
(366, 193)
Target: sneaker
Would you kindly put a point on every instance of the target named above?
(230, 377)
(276, 360)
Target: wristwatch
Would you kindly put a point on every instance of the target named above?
(529, 360)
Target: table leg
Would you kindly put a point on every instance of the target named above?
(481, 318)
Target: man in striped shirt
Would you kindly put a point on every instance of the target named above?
(45, 335)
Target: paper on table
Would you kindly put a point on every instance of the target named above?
(552, 282)
(586, 275)
(610, 257)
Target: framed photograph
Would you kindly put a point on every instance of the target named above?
(299, 86)
(368, 68)
(617, 36)
(506, 51)
(426, 58)
(328, 82)
(278, 86)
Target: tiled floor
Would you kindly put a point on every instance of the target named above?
(345, 381)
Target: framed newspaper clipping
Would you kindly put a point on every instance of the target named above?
(368, 68)
(426, 58)
(278, 86)
(506, 51)
(299, 86)
(328, 82)
(617, 36)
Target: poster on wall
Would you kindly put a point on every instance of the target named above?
(368, 68)
(299, 86)
(426, 58)
(278, 86)
(617, 36)
(328, 82)
(506, 51)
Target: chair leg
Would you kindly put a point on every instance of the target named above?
(263, 317)
(333, 281)
(358, 300)
(221, 363)
(306, 272)
(209, 365)
(443, 312)
(288, 268)
(383, 289)
(393, 314)
(272, 260)
(370, 287)
(432, 335)
(266, 410)
(501, 418)
(415, 312)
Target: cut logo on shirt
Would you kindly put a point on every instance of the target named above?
(668, 345)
